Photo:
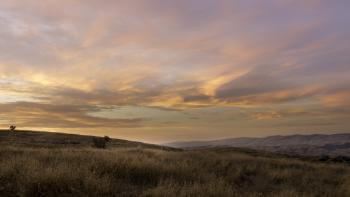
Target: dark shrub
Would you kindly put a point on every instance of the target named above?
(12, 128)
(341, 159)
(324, 158)
(107, 139)
(99, 142)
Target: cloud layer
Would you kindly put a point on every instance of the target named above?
(182, 69)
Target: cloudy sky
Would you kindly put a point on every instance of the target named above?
(165, 70)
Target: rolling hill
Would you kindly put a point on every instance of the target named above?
(336, 144)
(56, 164)
(64, 140)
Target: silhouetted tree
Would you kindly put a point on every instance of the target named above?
(12, 128)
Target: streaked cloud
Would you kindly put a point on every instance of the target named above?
(242, 67)
(36, 115)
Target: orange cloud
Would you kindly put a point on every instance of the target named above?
(250, 58)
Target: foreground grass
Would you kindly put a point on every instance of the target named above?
(147, 172)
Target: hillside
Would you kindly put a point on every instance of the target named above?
(53, 164)
(336, 144)
(63, 140)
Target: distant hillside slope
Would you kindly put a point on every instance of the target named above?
(54, 140)
(336, 144)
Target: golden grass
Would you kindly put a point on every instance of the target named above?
(148, 172)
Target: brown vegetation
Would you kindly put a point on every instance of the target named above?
(149, 172)
(12, 128)
(100, 142)
(71, 167)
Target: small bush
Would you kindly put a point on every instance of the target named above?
(324, 158)
(12, 128)
(107, 139)
(99, 142)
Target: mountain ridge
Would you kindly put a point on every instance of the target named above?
(313, 144)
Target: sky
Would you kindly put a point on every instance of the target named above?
(164, 70)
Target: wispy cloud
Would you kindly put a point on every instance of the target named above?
(259, 59)
(37, 115)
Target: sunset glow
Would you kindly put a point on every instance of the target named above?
(164, 70)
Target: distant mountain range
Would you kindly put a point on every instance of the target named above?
(317, 144)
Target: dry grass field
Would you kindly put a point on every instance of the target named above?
(154, 171)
